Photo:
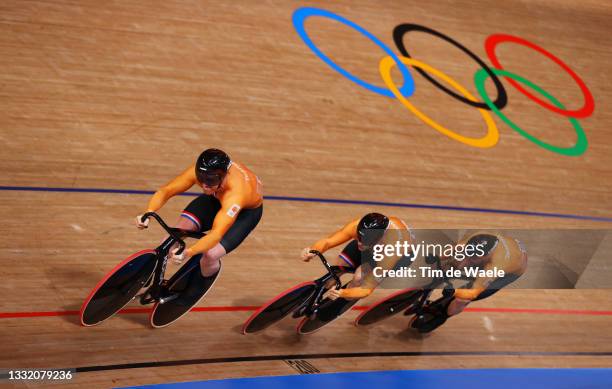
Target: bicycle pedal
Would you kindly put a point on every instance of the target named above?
(416, 321)
(309, 313)
(149, 297)
(300, 310)
(144, 300)
(312, 315)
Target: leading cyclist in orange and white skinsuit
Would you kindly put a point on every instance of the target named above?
(229, 209)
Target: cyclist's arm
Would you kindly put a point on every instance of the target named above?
(366, 288)
(224, 219)
(480, 285)
(178, 185)
(463, 297)
(343, 235)
(369, 281)
(356, 293)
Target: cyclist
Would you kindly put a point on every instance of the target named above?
(362, 234)
(499, 252)
(229, 209)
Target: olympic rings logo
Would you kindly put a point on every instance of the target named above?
(456, 90)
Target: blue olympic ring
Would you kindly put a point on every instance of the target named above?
(300, 15)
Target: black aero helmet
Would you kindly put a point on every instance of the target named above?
(487, 243)
(371, 228)
(211, 167)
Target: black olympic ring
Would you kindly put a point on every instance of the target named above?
(398, 35)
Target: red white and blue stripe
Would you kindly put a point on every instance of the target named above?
(192, 217)
(346, 259)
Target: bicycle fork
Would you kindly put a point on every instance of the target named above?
(157, 291)
(310, 306)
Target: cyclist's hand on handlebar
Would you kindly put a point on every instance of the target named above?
(334, 293)
(307, 255)
(140, 224)
(330, 284)
(177, 258)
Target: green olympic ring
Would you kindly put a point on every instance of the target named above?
(581, 143)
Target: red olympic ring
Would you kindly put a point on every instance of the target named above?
(589, 104)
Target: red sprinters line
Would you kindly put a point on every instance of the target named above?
(546, 311)
(13, 315)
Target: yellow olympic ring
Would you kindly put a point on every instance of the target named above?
(489, 140)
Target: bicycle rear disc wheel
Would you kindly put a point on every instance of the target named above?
(118, 287)
(389, 306)
(279, 307)
(191, 289)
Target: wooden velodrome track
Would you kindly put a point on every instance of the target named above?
(125, 95)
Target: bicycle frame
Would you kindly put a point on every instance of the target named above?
(310, 306)
(448, 289)
(156, 288)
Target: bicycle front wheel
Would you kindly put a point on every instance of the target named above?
(279, 307)
(118, 287)
(389, 306)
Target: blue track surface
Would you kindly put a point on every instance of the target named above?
(420, 379)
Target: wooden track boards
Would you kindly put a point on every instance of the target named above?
(125, 95)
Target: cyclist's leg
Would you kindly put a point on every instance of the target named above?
(186, 224)
(357, 278)
(199, 214)
(496, 286)
(246, 221)
(349, 261)
(210, 262)
(457, 305)
(350, 256)
(183, 224)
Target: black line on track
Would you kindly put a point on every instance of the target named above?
(139, 365)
